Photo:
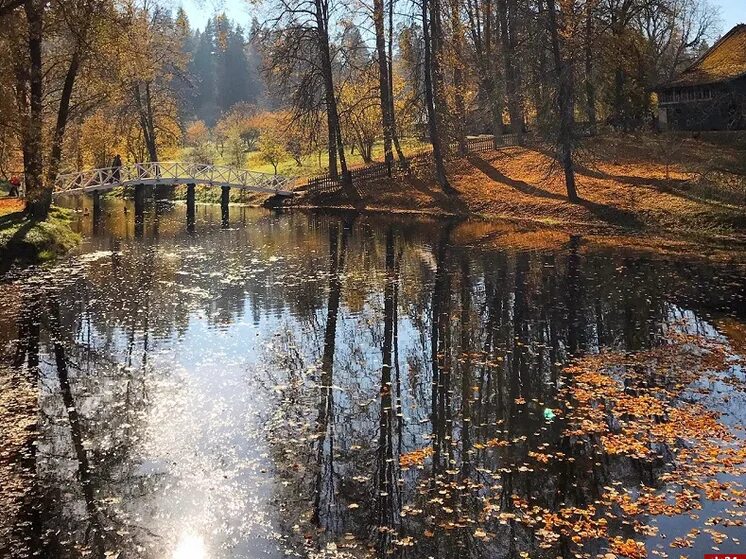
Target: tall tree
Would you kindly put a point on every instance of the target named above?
(80, 17)
(383, 80)
(564, 102)
(434, 95)
(507, 10)
(235, 84)
(457, 61)
(38, 196)
(482, 30)
(321, 13)
(151, 53)
(588, 48)
(302, 61)
(390, 64)
(202, 67)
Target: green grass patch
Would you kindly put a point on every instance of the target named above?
(311, 165)
(26, 241)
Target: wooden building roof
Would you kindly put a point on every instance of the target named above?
(724, 61)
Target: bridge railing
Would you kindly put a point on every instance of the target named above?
(173, 172)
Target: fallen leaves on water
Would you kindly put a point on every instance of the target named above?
(630, 443)
(628, 548)
(415, 457)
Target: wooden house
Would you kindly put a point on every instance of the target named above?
(711, 93)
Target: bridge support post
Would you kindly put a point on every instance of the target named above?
(139, 209)
(96, 205)
(224, 199)
(190, 208)
(96, 213)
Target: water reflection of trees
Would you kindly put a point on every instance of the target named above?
(404, 365)
(436, 445)
(90, 411)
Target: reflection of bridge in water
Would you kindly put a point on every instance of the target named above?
(171, 173)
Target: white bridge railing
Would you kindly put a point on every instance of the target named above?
(172, 173)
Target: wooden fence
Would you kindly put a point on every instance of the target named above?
(326, 183)
(489, 143)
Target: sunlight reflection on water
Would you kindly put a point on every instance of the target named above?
(190, 546)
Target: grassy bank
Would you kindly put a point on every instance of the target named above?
(312, 164)
(641, 183)
(24, 241)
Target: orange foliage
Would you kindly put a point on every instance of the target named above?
(415, 457)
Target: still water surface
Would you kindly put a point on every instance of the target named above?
(307, 385)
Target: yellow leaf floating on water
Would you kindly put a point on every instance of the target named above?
(628, 548)
(415, 457)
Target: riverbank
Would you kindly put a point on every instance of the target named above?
(642, 183)
(24, 241)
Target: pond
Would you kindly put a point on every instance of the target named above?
(315, 385)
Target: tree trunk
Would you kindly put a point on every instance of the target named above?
(590, 87)
(542, 86)
(620, 109)
(331, 145)
(383, 80)
(145, 113)
(458, 76)
(496, 106)
(63, 112)
(432, 73)
(322, 30)
(506, 14)
(619, 101)
(392, 108)
(152, 144)
(481, 22)
(565, 104)
(38, 198)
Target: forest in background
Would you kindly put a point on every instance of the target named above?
(81, 80)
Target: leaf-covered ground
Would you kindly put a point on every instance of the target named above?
(633, 182)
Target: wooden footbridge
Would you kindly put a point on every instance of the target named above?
(172, 173)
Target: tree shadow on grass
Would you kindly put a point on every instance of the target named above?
(674, 187)
(11, 219)
(609, 214)
(485, 167)
(407, 192)
(643, 182)
(612, 215)
(15, 249)
(450, 202)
